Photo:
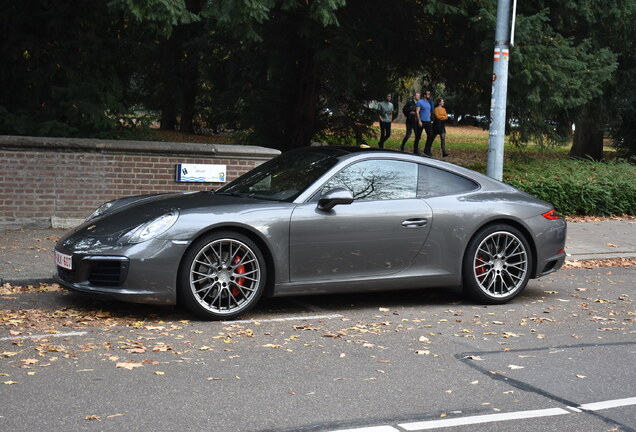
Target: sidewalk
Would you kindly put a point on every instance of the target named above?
(26, 255)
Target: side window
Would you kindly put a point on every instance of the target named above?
(434, 182)
(377, 180)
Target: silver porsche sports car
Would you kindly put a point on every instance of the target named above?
(316, 220)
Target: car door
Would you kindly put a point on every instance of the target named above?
(378, 234)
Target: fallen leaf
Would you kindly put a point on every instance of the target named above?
(473, 357)
(128, 365)
(92, 417)
(507, 335)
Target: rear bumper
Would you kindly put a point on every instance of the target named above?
(550, 238)
(551, 264)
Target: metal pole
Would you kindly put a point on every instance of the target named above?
(499, 90)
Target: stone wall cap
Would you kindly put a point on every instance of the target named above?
(154, 148)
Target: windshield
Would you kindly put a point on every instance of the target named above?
(284, 177)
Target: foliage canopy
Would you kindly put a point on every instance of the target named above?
(293, 71)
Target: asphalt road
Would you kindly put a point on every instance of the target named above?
(559, 358)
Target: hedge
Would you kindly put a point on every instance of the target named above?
(578, 187)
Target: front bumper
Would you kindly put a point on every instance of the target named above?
(141, 273)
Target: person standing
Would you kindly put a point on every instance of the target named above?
(439, 128)
(410, 112)
(424, 113)
(385, 115)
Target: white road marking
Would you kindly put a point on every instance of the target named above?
(371, 429)
(50, 335)
(488, 418)
(596, 406)
(294, 318)
(491, 418)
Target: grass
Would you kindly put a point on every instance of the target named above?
(468, 147)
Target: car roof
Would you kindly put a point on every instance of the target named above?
(341, 150)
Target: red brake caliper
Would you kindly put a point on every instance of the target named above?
(480, 269)
(240, 281)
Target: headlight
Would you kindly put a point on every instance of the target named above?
(154, 228)
(100, 210)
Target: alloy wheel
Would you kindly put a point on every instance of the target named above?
(500, 264)
(225, 276)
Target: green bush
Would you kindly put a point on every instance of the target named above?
(579, 187)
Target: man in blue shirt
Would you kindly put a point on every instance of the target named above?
(424, 110)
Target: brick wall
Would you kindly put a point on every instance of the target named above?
(48, 181)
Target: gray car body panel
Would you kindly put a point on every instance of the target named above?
(362, 246)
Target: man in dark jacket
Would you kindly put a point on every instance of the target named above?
(410, 113)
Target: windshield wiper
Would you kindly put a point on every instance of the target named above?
(235, 194)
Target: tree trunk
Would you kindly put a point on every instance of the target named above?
(301, 126)
(169, 96)
(588, 136)
(190, 67)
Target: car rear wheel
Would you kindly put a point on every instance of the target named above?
(497, 264)
(222, 276)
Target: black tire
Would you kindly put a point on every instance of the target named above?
(497, 264)
(221, 276)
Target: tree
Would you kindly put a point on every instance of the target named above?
(305, 69)
(604, 25)
(596, 36)
(76, 68)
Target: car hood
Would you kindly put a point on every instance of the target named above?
(117, 225)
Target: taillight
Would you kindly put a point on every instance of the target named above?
(552, 215)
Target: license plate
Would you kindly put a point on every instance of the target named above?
(63, 260)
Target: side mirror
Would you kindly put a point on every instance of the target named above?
(334, 197)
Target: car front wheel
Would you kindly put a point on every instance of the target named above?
(222, 276)
(497, 264)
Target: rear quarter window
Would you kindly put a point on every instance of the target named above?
(433, 182)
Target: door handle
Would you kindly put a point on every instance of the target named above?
(414, 223)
